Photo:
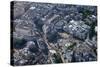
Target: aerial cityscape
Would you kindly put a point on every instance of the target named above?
(51, 33)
